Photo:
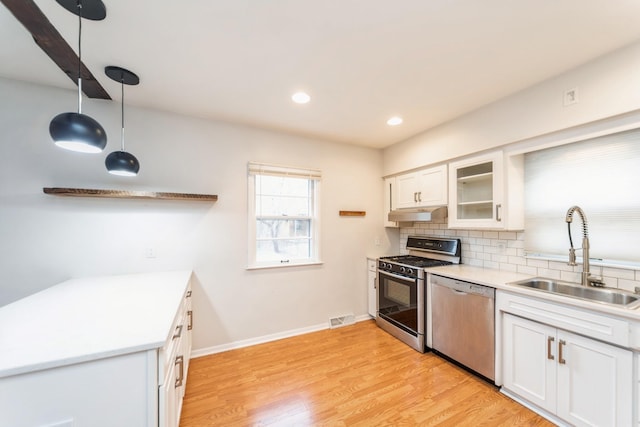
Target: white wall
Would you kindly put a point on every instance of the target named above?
(607, 87)
(45, 240)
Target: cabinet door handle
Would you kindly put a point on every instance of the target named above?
(415, 197)
(178, 333)
(375, 283)
(190, 324)
(560, 359)
(498, 211)
(188, 294)
(550, 340)
(180, 379)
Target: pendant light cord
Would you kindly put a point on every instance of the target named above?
(79, 5)
(122, 110)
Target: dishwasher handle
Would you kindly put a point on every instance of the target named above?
(463, 287)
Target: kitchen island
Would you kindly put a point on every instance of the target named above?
(99, 351)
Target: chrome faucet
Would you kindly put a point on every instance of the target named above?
(586, 279)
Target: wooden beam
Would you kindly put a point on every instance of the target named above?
(51, 42)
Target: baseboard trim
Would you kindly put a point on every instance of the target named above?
(557, 421)
(265, 338)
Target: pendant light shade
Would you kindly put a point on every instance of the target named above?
(120, 162)
(77, 131)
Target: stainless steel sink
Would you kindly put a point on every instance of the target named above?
(615, 297)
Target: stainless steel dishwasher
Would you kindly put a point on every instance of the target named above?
(463, 323)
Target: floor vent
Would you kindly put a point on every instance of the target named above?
(347, 319)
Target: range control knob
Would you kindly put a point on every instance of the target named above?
(409, 271)
(402, 269)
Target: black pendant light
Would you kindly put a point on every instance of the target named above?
(77, 131)
(120, 162)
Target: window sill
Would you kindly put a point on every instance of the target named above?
(284, 265)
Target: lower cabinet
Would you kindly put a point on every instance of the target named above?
(371, 286)
(580, 380)
(173, 365)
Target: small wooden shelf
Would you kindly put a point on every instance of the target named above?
(127, 194)
(352, 213)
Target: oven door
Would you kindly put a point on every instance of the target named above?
(400, 302)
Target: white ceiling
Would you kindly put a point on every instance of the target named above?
(362, 61)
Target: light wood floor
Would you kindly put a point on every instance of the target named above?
(351, 376)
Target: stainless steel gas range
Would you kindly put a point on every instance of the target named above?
(401, 308)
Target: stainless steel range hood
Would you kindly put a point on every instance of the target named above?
(418, 214)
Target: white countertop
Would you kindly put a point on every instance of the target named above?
(498, 279)
(89, 318)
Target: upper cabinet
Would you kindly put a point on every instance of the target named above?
(486, 192)
(423, 188)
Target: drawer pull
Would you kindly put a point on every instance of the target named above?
(178, 333)
(560, 359)
(190, 324)
(180, 379)
(550, 341)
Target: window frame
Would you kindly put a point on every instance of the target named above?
(314, 176)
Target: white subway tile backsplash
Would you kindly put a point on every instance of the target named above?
(504, 250)
(629, 285)
(509, 267)
(516, 260)
(618, 273)
(540, 263)
(491, 264)
(507, 235)
(549, 274)
(527, 270)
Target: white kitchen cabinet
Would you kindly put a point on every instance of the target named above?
(423, 188)
(372, 291)
(106, 351)
(173, 366)
(486, 192)
(390, 200)
(580, 380)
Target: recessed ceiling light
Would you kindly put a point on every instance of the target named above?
(300, 97)
(394, 121)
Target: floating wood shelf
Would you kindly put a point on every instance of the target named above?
(352, 213)
(123, 194)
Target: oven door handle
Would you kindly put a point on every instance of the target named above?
(397, 276)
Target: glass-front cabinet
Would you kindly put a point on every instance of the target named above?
(474, 185)
(486, 192)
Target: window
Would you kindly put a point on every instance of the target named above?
(600, 175)
(283, 215)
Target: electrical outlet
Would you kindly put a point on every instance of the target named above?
(570, 97)
(149, 252)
